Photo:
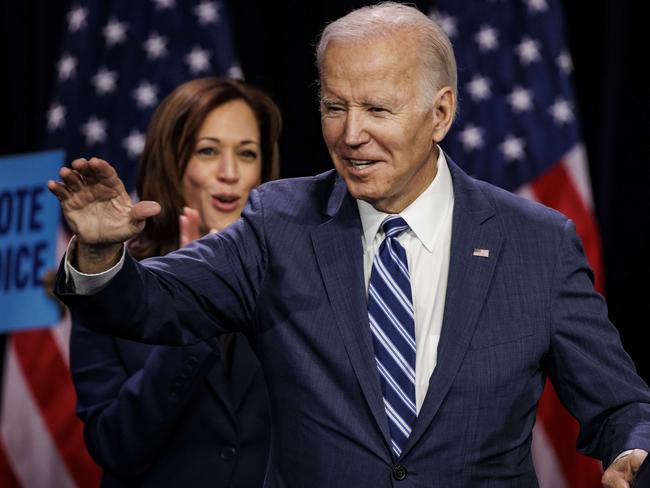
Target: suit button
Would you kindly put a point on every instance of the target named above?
(228, 453)
(399, 472)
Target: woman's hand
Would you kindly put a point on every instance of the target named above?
(190, 226)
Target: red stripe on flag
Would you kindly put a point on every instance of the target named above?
(7, 476)
(562, 430)
(49, 380)
(555, 189)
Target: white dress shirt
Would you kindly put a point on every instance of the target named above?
(427, 243)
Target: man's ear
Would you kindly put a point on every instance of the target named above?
(444, 109)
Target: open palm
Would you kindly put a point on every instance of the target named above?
(96, 205)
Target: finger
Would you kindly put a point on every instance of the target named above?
(80, 165)
(637, 456)
(184, 230)
(94, 169)
(193, 216)
(615, 480)
(190, 222)
(72, 179)
(145, 209)
(59, 190)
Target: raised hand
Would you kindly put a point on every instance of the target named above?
(97, 207)
(189, 225)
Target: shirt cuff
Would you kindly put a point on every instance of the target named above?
(624, 453)
(88, 284)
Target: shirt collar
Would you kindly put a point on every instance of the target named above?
(424, 216)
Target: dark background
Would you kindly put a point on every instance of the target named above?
(609, 50)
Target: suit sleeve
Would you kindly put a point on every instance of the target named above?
(592, 374)
(205, 288)
(128, 416)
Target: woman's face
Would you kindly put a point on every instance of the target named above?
(225, 166)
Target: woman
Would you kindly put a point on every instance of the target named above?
(198, 415)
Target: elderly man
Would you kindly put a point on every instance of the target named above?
(406, 315)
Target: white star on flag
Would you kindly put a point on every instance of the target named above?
(512, 148)
(146, 95)
(155, 46)
(528, 50)
(471, 137)
(134, 143)
(77, 18)
(487, 38)
(520, 99)
(94, 130)
(104, 81)
(564, 63)
(446, 22)
(479, 88)
(207, 13)
(561, 111)
(67, 67)
(537, 5)
(114, 32)
(56, 116)
(235, 72)
(164, 4)
(198, 60)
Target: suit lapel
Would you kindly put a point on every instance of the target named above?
(243, 370)
(338, 249)
(220, 385)
(245, 367)
(467, 286)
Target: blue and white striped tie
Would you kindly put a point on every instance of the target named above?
(390, 310)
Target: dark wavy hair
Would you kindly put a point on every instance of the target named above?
(170, 143)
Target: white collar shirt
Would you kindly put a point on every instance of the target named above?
(427, 243)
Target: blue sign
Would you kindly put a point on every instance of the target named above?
(29, 223)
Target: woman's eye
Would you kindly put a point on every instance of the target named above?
(248, 154)
(206, 151)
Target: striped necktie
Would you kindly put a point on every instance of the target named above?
(390, 310)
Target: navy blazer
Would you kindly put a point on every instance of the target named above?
(290, 274)
(171, 416)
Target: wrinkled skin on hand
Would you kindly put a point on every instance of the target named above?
(621, 473)
(96, 205)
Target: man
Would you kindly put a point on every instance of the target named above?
(405, 315)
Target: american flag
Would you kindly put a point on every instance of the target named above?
(517, 128)
(118, 61)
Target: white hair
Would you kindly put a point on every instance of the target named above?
(432, 46)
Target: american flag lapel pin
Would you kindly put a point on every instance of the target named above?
(481, 253)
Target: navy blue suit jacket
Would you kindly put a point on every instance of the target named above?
(171, 416)
(290, 274)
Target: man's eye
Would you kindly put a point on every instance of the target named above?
(378, 110)
(333, 108)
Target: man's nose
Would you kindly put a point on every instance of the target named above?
(355, 130)
(228, 169)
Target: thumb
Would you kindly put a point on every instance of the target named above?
(145, 209)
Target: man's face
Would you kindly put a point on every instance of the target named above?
(378, 128)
